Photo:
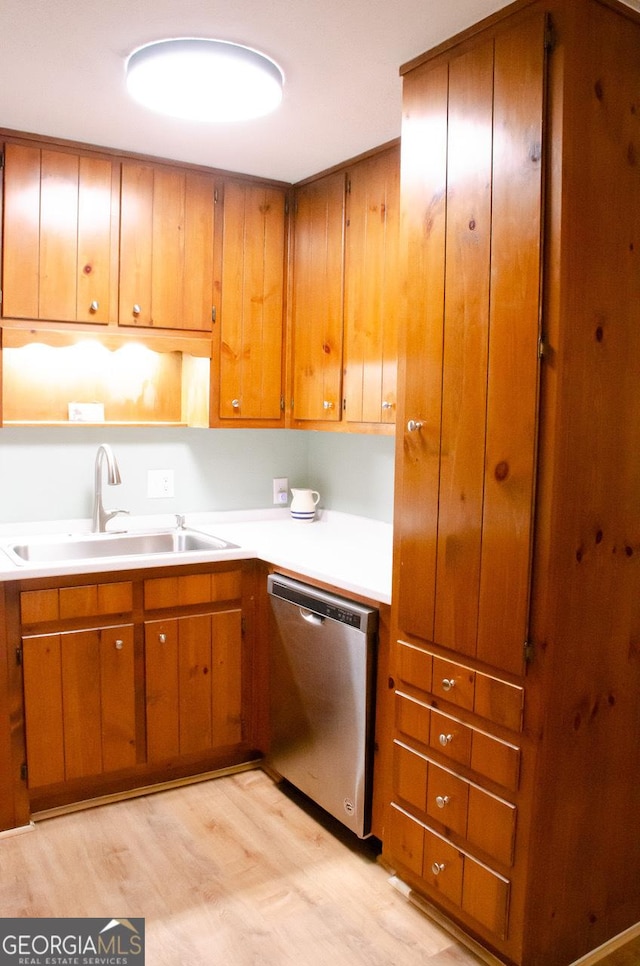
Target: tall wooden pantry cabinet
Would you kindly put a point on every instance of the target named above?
(515, 679)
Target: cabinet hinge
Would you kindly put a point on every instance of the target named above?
(1, 159)
(215, 196)
(19, 655)
(23, 771)
(286, 207)
(549, 35)
(348, 186)
(281, 404)
(528, 652)
(542, 348)
(243, 624)
(213, 314)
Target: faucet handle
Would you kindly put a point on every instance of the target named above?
(180, 521)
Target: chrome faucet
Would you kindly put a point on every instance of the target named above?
(101, 516)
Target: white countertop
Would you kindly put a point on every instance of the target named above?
(349, 552)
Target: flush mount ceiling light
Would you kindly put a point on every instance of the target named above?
(204, 80)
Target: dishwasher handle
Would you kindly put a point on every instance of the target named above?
(310, 617)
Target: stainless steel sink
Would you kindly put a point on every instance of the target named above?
(91, 546)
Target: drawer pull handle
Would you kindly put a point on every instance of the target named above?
(448, 684)
(442, 800)
(235, 403)
(437, 868)
(119, 645)
(327, 404)
(95, 305)
(445, 739)
(137, 309)
(414, 425)
(162, 638)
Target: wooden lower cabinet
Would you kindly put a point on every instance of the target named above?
(453, 818)
(128, 683)
(79, 689)
(193, 675)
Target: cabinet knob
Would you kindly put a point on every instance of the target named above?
(119, 645)
(95, 305)
(162, 638)
(448, 684)
(414, 425)
(235, 403)
(445, 739)
(327, 404)
(136, 309)
(442, 800)
(437, 868)
(387, 405)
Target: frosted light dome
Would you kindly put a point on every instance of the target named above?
(204, 80)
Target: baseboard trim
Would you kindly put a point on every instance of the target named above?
(144, 790)
(616, 942)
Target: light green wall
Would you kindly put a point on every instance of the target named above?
(47, 473)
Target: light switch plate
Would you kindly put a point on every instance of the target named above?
(159, 484)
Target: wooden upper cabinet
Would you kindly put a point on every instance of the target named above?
(250, 320)
(371, 291)
(166, 247)
(318, 265)
(466, 460)
(60, 236)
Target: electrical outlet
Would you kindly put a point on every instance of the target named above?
(281, 491)
(159, 484)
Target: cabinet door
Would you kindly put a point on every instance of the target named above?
(60, 236)
(318, 261)
(79, 704)
(251, 311)
(471, 160)
(194, 684)
(370, 290)
(166, 247)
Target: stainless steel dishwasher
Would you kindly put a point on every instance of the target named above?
(323, 650)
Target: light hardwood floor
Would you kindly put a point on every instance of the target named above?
(231, 871)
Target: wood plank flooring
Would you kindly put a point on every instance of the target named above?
(232, 871)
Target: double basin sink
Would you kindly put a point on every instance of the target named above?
(92, 546)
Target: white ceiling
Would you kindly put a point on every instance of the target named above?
(62, 74)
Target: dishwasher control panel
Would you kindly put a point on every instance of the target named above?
(323, 603)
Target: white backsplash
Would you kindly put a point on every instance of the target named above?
(48, 473)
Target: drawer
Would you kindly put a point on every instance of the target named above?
(161, 592)
(462, 743)
(85, 600)
(484, 820)
(455, 875)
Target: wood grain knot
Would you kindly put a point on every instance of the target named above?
(326, 348)
(599, 334)
(87, 269)
(501, 471)
(598, 89)
(472, 225)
